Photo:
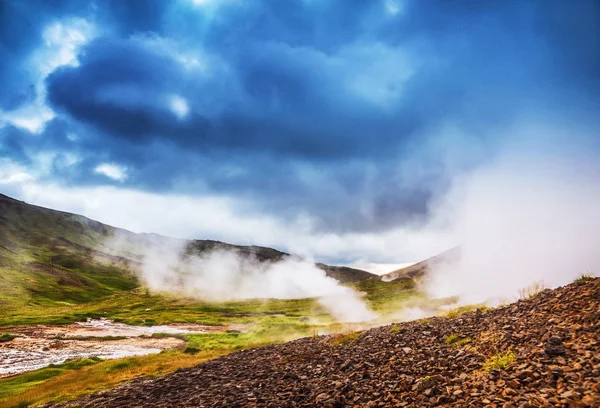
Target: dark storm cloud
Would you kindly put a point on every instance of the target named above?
(306, 106)
(276, 99)
(21, 25)
(13, 144)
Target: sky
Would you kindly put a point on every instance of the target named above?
(337, 129)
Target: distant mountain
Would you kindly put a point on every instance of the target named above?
(50, 257)
(420, 270)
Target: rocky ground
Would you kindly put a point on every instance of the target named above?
(550, 344)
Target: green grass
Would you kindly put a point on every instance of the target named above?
(137, 307)
(18, 384)
(499, 361)
(461, 310)
(457, 341)
(90, 338)
(584, 277)
(6, 337)
(388, 297)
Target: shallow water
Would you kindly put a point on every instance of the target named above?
(39, 346)
(27, 354)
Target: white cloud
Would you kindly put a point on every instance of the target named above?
(226, 219)
(179, 106)
(211, 3)
(16, 178)
(393, 7)
(111, 170)
(32, 118)
(61, 41)
(380, 268)
(12, 173)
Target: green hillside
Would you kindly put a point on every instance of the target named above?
(52, 260)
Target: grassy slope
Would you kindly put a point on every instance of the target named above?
(46, 259)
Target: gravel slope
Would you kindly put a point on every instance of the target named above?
(555, 338)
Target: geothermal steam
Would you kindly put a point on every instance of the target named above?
(533, 217)
(227, 275)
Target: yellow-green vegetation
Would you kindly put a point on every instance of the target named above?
(584, 277)
(345, 338)
(61, 384)
(394, 329)
(388, 297)
(532, 290)
(499, 361)
(20, 383)
(457, 341)
(461, 310)
(138, 307)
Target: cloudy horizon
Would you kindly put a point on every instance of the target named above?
(350, 132)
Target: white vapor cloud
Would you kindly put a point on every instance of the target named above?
(179, 106)
(529, 216)
(111, 170)
(228, 275)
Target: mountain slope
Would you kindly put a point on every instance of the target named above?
(420, 269)
(50, 257)
(537, 352)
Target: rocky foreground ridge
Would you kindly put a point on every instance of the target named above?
(551, 344)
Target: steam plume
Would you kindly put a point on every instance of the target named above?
(525, 218)
(227, 275)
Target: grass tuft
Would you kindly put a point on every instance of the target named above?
(532, 290)
(459, 311)
(6, 337)
(457, 341)
(499, 361)
(344, 338)
(584, 277)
